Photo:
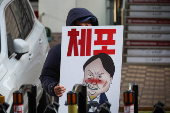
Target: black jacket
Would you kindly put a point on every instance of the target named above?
(50, 75)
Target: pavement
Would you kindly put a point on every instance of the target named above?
(153, 84)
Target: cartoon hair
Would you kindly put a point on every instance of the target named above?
(106, 60)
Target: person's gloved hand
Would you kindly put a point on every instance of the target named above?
(59, 90)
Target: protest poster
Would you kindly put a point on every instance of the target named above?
(92, 55)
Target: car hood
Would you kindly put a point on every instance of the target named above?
(3, 69)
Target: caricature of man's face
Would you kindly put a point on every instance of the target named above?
(96, 78)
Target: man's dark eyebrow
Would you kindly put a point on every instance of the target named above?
(100, 73)
(90, 71)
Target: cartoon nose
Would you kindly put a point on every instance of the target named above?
(94, 81)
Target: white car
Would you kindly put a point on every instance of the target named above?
(23, 49)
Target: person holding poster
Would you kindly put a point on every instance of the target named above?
(92, 56)
(50, 74)
(98, 75)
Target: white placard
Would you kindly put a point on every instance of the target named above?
(150, 14)
(149, 28)
(109, 39)
(148, 60)
(147, 21)
(149, 36)
(149, 1)
(142, 7)
(148, 52)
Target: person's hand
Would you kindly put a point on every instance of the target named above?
(59, 90)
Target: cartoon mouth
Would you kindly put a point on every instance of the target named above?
(90, 87)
